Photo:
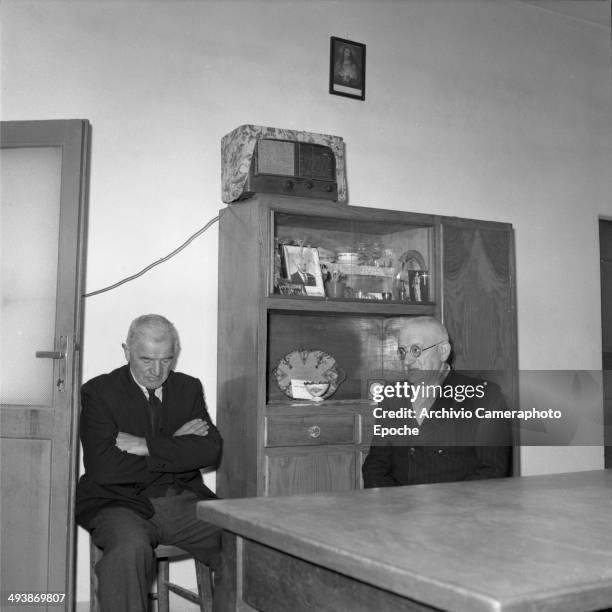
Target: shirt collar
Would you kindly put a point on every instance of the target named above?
(158, 391)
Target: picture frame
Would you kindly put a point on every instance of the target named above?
(302, 268)
(347, 63)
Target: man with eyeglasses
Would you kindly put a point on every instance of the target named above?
(452, 442)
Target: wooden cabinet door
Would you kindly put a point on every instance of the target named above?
(293, 472)
(479, 307)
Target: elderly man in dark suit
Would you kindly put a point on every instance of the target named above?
(301, 276)
(436, 434)
(146, 433)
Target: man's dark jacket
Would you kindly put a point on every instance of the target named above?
(310, 281)
(446, 449)
(114, 403)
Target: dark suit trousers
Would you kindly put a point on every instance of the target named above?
(127, 539)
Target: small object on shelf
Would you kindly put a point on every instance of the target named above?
(302, 267)
(308, 389)
(286, 287)
(351, 258)
(335, 288)
(326, 255)
(312, 366)
(412, 260)
(316, 389)
(335, 285)
(387, 258)
(357, 269)
(402, 294)
(370, 253)
(416, 287)
(419, 290)
(325, 273)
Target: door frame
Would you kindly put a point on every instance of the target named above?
(73, 137)
(605, 258)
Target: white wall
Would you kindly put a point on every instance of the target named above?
(488, 109)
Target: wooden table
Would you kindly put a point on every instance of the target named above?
(530, 543)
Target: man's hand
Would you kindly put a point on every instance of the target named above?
(132, 444)
(196, 427)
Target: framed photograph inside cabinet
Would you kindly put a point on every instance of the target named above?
(302, 268)
(347, 68)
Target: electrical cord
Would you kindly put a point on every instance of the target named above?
(155, 263)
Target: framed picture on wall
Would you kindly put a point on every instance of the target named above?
(347, 68)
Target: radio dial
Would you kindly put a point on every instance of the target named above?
(308, 185)
(328, 188)
(288, 185)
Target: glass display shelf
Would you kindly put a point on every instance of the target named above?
(352, 259)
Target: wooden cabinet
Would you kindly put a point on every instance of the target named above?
(389, 264)
(321, 469)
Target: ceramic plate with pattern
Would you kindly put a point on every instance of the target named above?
(314, 366)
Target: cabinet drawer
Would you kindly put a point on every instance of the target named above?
(310, 469)
(285, 430)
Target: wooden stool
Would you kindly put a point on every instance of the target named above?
(163, 554)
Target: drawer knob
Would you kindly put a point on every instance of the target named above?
(314, 431)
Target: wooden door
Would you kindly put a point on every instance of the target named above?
(43, 199)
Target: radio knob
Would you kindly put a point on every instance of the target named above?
(288, 185)
(328, 188)
(308, 185)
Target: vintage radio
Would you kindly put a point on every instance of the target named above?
(292, 168)
(286, 162)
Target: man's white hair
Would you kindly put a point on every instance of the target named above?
(158, 326)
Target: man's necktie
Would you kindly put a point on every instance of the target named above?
(154, 408)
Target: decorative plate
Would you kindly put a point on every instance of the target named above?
(314, 366)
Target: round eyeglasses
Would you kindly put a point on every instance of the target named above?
(414, 350)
